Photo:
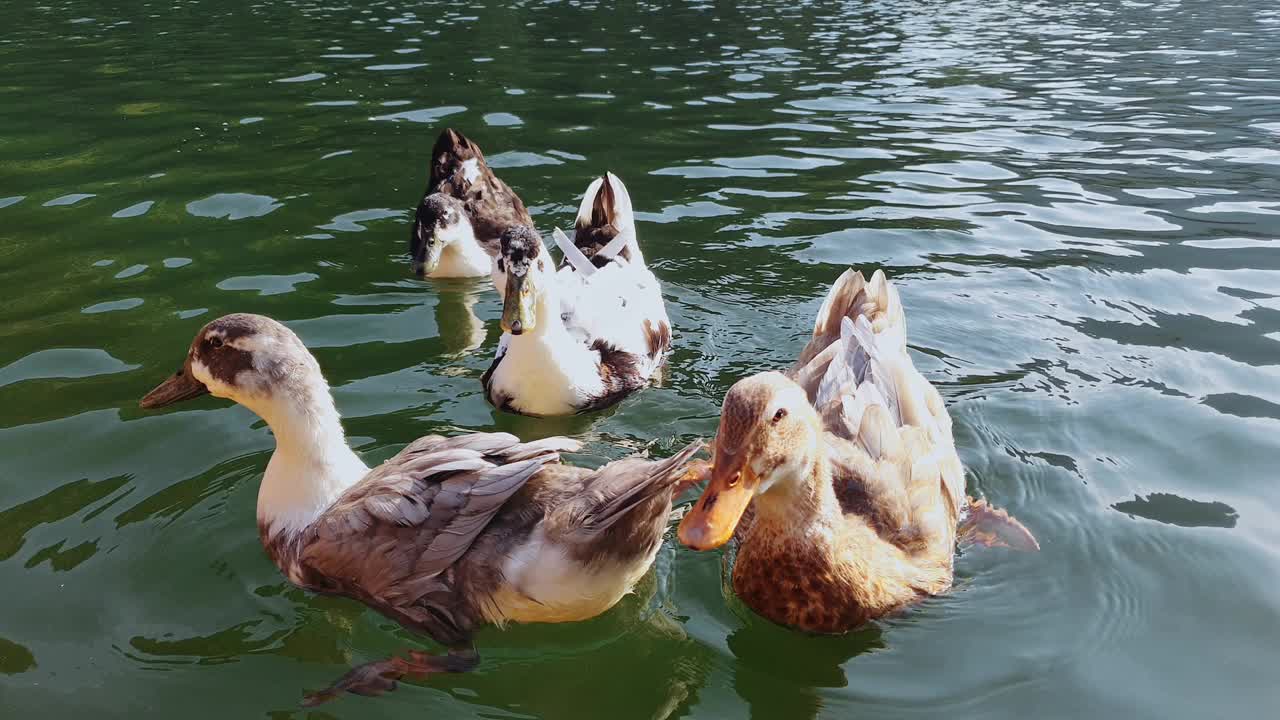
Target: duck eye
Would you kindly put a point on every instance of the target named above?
(733, 481)
(782, 412)
(215, 343)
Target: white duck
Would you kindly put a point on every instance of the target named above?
(585, 336)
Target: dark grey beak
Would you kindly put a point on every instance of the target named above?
(180, 386)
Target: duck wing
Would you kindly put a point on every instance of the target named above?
(391, 538)
(619, 511)
(851, 296)
(458, 168)
(890, 438)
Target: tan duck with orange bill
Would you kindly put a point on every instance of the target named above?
(847, 467)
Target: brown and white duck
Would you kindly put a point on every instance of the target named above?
(462, 213)
(846, 466)
(583, 336)
(450, 534)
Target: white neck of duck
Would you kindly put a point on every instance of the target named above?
(556, 372)
(312, 464)
(462, 254)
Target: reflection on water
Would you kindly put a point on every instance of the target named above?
(1078, 202)
(1175, 510)
(14, 658)
(792, 690)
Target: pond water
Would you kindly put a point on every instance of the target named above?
(1079, 201)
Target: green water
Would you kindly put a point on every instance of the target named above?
(1078, 201)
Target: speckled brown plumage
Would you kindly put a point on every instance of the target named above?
(865, 521)
(657, 338)
(491, 205)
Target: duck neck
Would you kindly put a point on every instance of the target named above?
(804, 502)
(548, 369)
(312, 464)
(462, 255)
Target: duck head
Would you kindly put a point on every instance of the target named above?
(250, 359)
(768, 438)
(439, 221)
(525, 269)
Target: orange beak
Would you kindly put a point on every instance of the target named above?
(713, 518)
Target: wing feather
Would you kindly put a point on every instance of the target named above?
(391, 537)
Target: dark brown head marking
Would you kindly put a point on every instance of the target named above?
(521, 246)
(436, 212)
(220, 347)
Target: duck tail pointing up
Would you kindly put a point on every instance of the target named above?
(449, 155)
(851, 296)
(606, 224)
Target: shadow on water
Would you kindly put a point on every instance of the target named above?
(54, 506)
(1174, 510)
(14, 658)
(774, 688)
(636, 652)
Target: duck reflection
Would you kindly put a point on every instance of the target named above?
(791, 688)
(15, 658)
(633, 663)
(461, 330)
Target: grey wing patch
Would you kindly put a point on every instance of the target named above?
(620, 510)
(392, 539)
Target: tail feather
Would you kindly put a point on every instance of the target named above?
(451, 151)
(605, 227)
(659, 476)
(851, 298)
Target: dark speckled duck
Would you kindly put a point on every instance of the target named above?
(450, 534)
(462, 213)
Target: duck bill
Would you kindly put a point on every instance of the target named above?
(518, 314)
(713, 518)
(180, 386)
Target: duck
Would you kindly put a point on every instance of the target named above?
(449, 535)
(838, 478)
(462, 212)
(583, 334)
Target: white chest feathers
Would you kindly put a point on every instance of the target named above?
(462, 255)
(545, 584)
(548, 374)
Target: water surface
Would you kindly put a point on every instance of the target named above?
(1080, 202)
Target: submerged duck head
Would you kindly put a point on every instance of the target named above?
(524, 264)
(768, 438)
(246, 358)
(440, 221)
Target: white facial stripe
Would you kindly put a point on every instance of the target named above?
(471, 170)
(252, 343)
(216, 387)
